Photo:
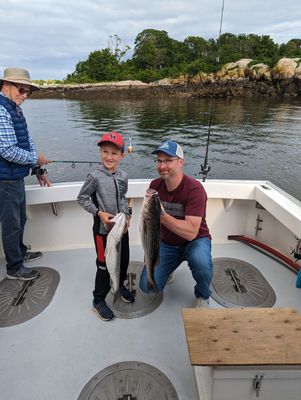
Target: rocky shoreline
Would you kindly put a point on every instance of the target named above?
(233, 80)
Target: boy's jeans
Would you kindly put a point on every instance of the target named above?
(198, 255)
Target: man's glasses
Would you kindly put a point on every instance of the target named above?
(22, 90)
(166, 162)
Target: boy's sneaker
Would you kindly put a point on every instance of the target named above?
(126, 295)
(201, 303)
(23, 274)
(103, 311)
(32, 256)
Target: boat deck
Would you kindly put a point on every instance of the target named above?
(55, 354)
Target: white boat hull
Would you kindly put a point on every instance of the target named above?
(67, 340)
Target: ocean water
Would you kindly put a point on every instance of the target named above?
(249, 138)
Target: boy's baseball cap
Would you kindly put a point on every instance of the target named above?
(114, 138)
(171, 148)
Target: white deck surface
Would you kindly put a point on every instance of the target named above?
(55, 354)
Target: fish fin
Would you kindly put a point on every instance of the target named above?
(152, 284)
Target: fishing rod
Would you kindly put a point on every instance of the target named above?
(74, 162)
(206, 167)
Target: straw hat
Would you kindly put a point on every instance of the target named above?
(18, 75)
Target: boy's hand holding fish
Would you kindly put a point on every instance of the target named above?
(106, 219)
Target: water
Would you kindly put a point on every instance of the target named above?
(250, 139)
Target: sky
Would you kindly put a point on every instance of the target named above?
(49, 37)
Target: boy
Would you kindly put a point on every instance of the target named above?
(103, 195)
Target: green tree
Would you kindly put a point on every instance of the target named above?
(101, 65)
(291, 49)
(263, 48)
(157, 56)
(153, 50)
(232, 48)
(196, 48)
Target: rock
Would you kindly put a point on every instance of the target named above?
(232, 80)
(129, 83)
(286, 68)
(162, 82)
(260, 71)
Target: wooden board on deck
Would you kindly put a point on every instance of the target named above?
(249, 336)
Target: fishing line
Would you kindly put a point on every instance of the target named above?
(206, 167)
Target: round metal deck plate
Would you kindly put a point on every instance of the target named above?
(236, 283)
(23, 300)
(129, 380)
(144, 304)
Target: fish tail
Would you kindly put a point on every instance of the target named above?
(152, 283)
(116, 295)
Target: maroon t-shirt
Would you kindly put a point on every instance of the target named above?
(189, 198)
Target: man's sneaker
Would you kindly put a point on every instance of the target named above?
(200, 302)
(170, 279)
(23, 274)
(126, 295)
(32, 256)
(103, 311)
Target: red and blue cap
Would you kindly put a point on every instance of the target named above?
(114, 138)
(170, 148)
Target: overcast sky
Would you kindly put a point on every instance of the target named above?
(49, 37)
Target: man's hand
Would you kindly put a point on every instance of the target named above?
(42, 160)
(162, 208)
(43, 180)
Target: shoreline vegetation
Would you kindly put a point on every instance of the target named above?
(160, 66)
(236, 79)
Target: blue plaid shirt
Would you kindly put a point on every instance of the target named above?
(8, 141)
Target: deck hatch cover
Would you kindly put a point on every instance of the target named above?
(144, 303)
(22, 300)
(237, 283)
(129, 380)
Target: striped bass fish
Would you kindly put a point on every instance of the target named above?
(150, 233)
(113, 249)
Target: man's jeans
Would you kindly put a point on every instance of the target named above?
(13, 218)
(198, 255)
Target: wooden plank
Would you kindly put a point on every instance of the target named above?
(249, 336)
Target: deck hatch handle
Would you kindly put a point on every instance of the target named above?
(257, 381)
(238, 287)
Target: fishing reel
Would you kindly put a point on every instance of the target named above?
(38, 171)
(205, 170)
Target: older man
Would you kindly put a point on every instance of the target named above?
(184, 232)
(17, 156)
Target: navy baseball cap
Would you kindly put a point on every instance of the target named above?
(171, 148)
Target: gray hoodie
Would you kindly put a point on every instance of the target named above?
(104, 191)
